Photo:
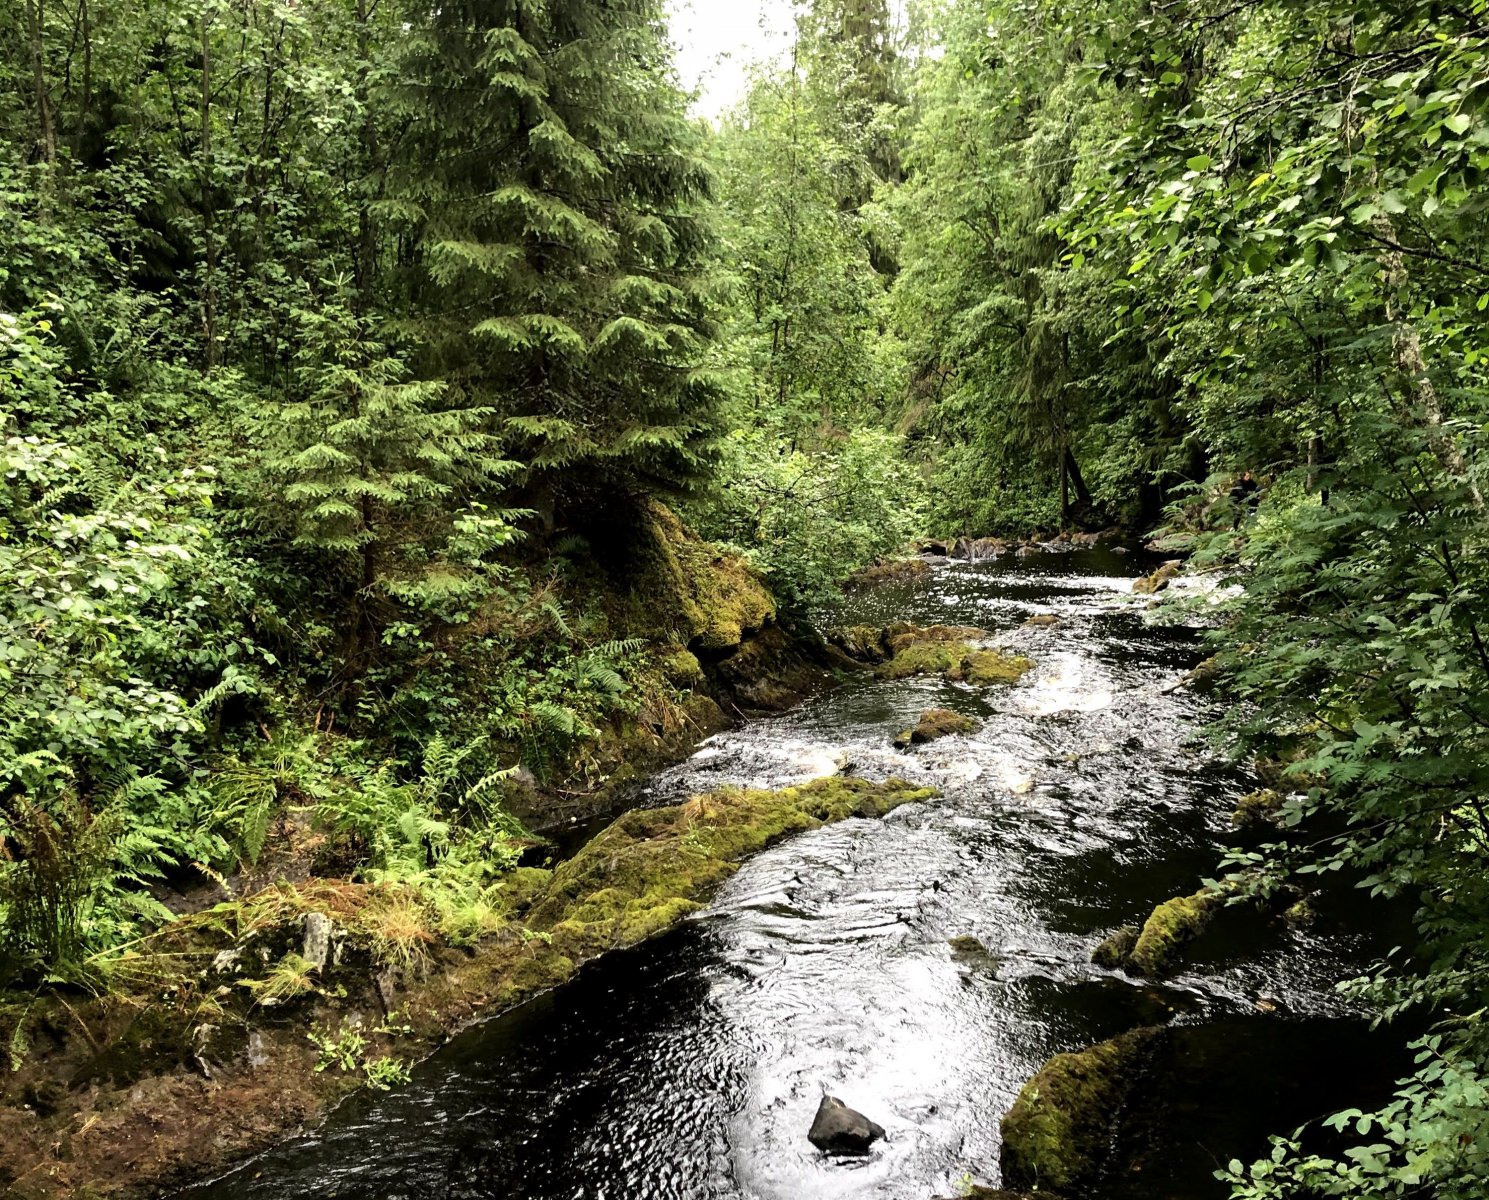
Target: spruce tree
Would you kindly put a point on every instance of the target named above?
(561, 268)
(376, 472)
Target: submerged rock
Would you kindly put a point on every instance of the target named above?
(1058, 1133)
(839, 1129)
(934, 723)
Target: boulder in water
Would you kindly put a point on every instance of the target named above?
(1058, 1133)
(1159, 580)
(934, 723)
(839, 1129)
(1115, 951)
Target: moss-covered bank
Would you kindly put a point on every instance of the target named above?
(209, 1060)
(1057, 1134)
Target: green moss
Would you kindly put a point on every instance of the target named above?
(681, 668)
(902, 635)
(1117, 949)
(862, 643)
(650, 868)
(907, 570)
(1258, 809)
(1058, 1131)
(1158, 580)
(705, 596)
(1172, 926)
(539, 968)
(521, 886)
(926, 658)
(934, 723)
(993, 666)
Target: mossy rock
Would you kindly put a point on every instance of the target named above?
(652, 867)
(1258, 809)
(706, 596)
(681, 668)
(1171, 927)
(862, 643)
(902, 635)
(947, 650)
(520, 888)
(770, 672)
(993, 666)
(889, 571)
(1158, 580)
(1115, 950)
(1057, 1135)
(934, 723)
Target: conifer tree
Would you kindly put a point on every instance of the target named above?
(562, 262)
(376, 472)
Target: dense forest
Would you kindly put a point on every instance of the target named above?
(405, 407)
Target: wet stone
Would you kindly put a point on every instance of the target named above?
(838, 1129)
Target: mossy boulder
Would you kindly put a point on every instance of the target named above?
(770, 672)
(706, 597)
(1115, 950)
(1258, 809)
(889, 571)
(1158, 580)
(1057, 1135)
(934, 723)
(680, 667)
(902, 650)
(862, 643)
(652, 867)
(992, 666)
(1171, 927)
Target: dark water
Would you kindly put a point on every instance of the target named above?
(691, 1067)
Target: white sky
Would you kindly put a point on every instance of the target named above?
(717, 40)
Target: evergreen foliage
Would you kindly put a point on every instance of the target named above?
(329, 331)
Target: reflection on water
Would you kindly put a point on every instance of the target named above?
(691, 1067)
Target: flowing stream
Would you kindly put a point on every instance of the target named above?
(691, 1066)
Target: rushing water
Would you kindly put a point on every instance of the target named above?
(691, 1066)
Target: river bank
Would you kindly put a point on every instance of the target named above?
(923, 968)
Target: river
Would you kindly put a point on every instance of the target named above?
(690, 1067)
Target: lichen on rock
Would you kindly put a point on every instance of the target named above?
(1057, 1134)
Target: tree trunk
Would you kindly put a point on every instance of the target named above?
(46, 133)
(209, 245)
